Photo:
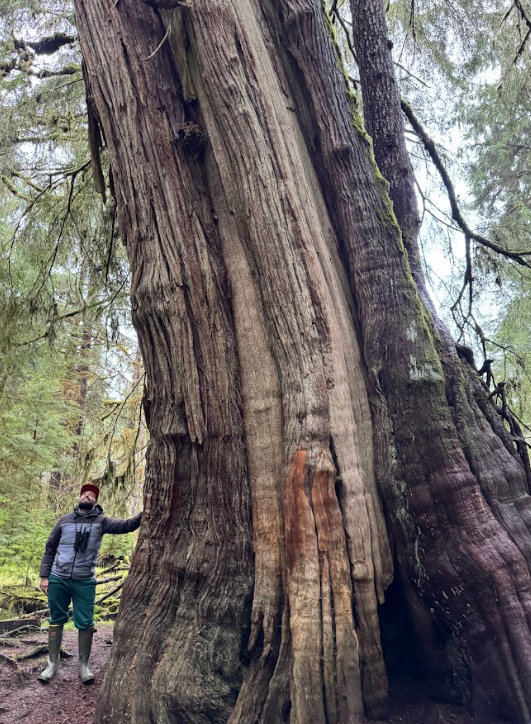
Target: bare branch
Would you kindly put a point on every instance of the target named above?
(419, 80)
(521, 47)
(108, 595)
(523, 13)
(457, 216)
(334, 10)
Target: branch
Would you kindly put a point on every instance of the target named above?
(66, 70)
(17, 631)
(101, 581)
(42, 649)
(412, 20)
(334, 11)
(48, 44)
(58, 318)
(11, 187)
(9, 661)
(419, 80)
(523, 13)
(457, 216)
(108, 595)
(27, 180)
(55, 136)
(467, 281)
(7, 67)
(521, 47)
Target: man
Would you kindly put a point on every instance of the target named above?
(67, 573)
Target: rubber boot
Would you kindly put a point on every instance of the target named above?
(85, 645)
(55, 637)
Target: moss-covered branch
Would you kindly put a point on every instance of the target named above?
(48, 44)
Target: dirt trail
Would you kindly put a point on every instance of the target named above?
(66, 701)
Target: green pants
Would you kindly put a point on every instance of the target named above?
(82, 594)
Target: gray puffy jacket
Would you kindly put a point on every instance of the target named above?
(60, 556)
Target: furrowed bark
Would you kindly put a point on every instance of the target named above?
(453, 544)
(324, 272)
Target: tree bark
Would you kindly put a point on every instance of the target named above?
(293, 377)
(491, 456)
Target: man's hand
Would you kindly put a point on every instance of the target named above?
(43, 585)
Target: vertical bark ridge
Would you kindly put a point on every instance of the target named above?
(455, 545)
(304, 591)
(263, 423)
(343, 698)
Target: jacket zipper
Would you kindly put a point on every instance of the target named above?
(73, 564)
(75, 552)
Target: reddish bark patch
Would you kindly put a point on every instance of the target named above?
(296, 499)
(64, 700)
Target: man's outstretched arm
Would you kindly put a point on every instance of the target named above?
(116, 525)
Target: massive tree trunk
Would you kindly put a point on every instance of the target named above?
(296, 387)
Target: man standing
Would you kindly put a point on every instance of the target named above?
(67, 574)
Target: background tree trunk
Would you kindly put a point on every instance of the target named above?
(491, 456)
(292, 375)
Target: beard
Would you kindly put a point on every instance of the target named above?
(85, 505)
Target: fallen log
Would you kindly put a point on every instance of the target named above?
(9, 661)
(99, 581)
(108, 595)
(10, 626)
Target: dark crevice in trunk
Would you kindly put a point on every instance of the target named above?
(399, 638)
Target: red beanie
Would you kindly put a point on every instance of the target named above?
(91, 487)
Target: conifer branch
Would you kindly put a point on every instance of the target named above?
(523, 13)
(429, 145)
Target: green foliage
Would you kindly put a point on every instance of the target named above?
(70, 376)
(513, 353)
(24, 529)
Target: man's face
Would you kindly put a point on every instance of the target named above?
(87, 500)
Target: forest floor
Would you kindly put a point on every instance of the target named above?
(66, 701)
